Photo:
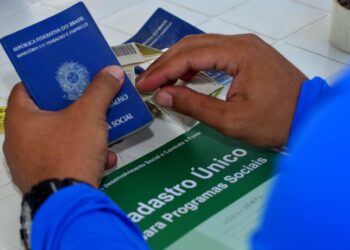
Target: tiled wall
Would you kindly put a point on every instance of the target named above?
(299, 29)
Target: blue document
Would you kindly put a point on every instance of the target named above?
(57, 59)
(163, 30)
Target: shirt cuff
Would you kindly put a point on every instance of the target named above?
(62, 220)
(310, 93)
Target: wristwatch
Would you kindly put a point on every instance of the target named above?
(34, 199)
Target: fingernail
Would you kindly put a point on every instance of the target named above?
(138, 81)
(164, 99)
(116, 72)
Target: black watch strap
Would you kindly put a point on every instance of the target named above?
(41, 191)
(35, 198)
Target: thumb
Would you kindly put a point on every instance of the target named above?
(103, 88)
(20, 100)
(201, 107)
(111, 159)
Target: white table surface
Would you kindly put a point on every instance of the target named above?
(299, 29)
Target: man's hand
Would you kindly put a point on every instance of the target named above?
(260, 104)
(69, 143)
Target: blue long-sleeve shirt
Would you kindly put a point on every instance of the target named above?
(308, 208)
(81, 217)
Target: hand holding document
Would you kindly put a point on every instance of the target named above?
(56, 81)
(135, 56)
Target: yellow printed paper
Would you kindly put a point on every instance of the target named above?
(2, 118)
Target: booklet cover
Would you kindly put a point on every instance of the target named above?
(163, 29)
(201, 190)
(57, 58)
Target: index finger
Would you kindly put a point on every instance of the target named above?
(208, 56)
(189, 42)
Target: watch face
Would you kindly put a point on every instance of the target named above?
(26, 224)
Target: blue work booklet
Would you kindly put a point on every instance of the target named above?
(163, 29)
(58, 57)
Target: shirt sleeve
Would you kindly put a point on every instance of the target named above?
(309, 206)
(81, 217)
(310, 94)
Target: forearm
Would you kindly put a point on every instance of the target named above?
(310, 93)
(81, 217)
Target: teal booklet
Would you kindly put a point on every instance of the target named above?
(201, 190)
(58, 57)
